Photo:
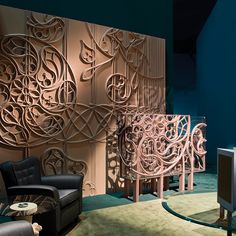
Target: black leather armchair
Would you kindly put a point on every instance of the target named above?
(16, 228)
(24, 177)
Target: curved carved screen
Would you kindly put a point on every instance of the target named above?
(62, 83)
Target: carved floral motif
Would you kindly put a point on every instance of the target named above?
(35, 96)
(154, 145)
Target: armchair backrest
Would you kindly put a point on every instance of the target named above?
(23, 172)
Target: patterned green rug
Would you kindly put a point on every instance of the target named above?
(145, 218)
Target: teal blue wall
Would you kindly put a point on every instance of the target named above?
(153, 17)
(184, 84)
(216, 76)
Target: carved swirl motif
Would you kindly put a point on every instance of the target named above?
(35, 96)
(49, 29)
(198, 143)
(121, 86)
(117, 90)
(87, 54)
(90, 186)
(151, 144)
(55, 161)
(38, 90)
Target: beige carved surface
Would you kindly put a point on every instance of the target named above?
(55, 161)
(46, 28)
(153, 145)
(36, 98)
(62, 83)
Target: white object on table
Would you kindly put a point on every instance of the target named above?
(24, 206)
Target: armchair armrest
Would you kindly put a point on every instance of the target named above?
(64, 181)
(45, 190)
(20, 228)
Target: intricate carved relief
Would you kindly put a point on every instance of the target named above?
(90, 122)
(40, 96)
(89, 187)
(46, 28)
(116, 88)
(154, 145)
(87, 54)
(124, 86)
(35, 96)
(54, 161)
(198, 147)
(38, 91)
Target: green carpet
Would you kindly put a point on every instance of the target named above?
(110, 214)
(143, 218)
(204, 182)
(111, 200)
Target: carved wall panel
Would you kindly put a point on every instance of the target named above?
(62, 83)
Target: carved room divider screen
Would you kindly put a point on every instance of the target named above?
(152, 146)
(62, 83)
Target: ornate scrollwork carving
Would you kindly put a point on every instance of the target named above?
(153, 145)
(87, 54)
(123, 87)
(36, 99)
(89, 187)
(47, 28)
(39, 92)
(198, 145)
(116, 88)
(55, 161)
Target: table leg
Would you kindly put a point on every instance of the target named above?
(136, 190)
(229, 218)
(222, 212)
(127, 188)
(166, 183)
(160, 187)
(182, 182)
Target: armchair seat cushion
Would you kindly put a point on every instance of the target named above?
(68, 196)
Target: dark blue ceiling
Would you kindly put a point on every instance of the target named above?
(189, 17)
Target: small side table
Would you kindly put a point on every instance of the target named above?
(26, 211)
(36, 204)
